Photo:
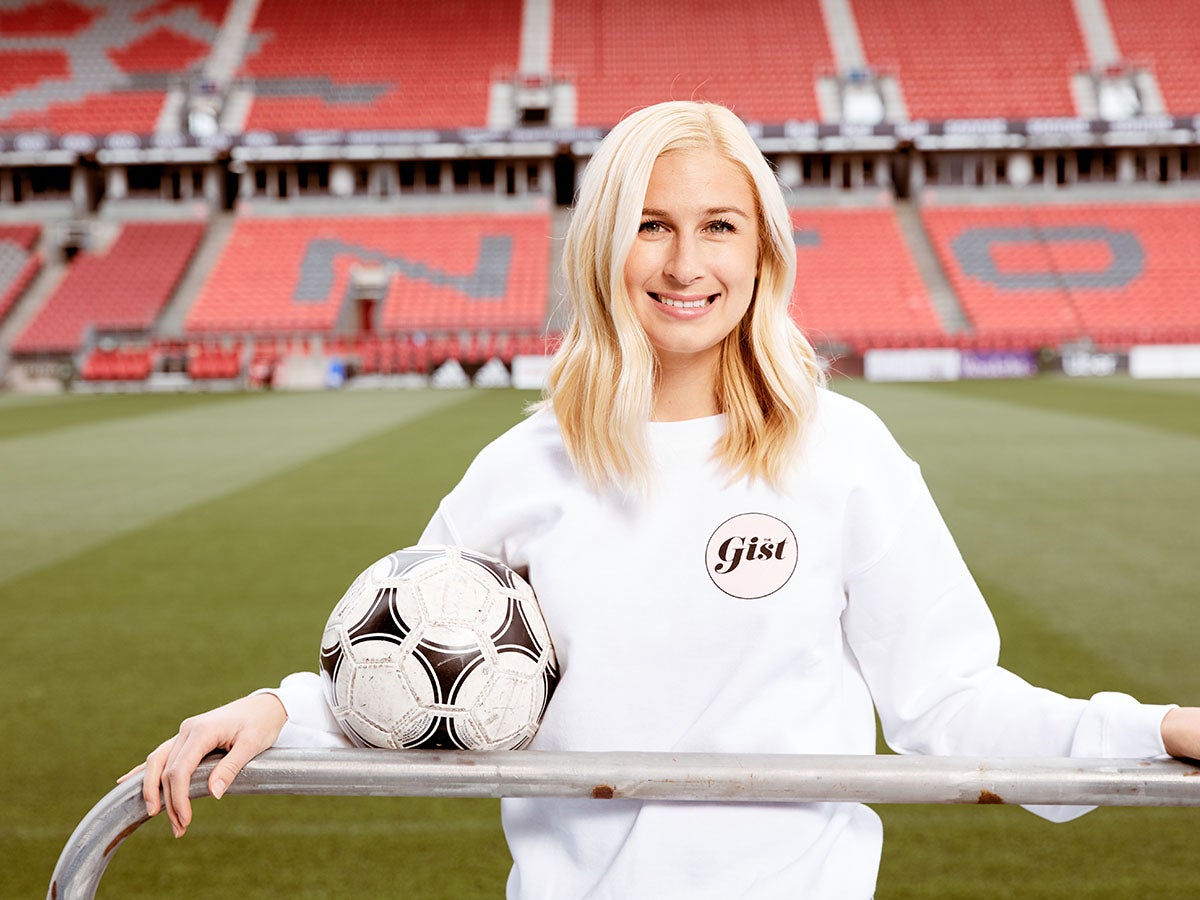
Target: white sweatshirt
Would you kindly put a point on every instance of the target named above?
(739, 618)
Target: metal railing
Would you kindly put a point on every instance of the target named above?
(643, 776)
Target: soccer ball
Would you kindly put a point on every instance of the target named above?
(438, 648)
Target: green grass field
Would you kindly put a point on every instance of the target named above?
(162, 554)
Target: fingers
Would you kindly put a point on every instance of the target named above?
(230, 766)
(123, 778)
(152, 771)
(192, 745)
(244, 728)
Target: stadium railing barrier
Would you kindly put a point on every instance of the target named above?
(643, 776)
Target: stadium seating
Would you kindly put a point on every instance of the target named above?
(1163, 36)
(624, 54)
(379, 64)
(121, 289)
(976, 58)
(98, 69)
(214, 360)
(18, 262)
(443, 272)
(1116, 273)
(857, 283)
(118, 364)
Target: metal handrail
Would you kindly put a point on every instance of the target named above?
(642, 776)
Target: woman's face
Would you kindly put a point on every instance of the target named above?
(691, 272)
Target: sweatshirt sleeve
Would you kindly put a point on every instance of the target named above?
(928, 647)
(310, 721)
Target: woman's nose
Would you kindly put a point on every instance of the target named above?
(685, 264)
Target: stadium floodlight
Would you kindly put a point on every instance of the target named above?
(642, 776)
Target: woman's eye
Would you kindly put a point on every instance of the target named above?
(651, 227)
(722, 226)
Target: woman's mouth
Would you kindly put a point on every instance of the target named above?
(679, 301)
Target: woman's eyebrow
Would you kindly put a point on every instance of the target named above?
(711, 211)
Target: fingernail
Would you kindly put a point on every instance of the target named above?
(177, 831)
(218, 789)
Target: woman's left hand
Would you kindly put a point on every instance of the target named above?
(1181, 732)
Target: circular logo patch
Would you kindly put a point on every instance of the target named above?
(751, 556)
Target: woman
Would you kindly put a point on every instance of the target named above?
(774, 569)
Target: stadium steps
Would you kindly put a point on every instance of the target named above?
(230, 46)
(212, 245)
(941, 294)
(54, 268)
(536, 28)
(1097, 33)
(844, 38)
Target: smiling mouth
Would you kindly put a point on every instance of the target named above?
(684, 304)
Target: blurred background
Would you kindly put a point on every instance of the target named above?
(997, 216)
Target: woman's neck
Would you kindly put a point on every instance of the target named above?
(686, 391)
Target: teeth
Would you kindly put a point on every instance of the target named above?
(682, 304)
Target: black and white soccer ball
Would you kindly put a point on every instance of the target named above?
(438, 648)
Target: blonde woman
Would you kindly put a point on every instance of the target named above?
(730, 558)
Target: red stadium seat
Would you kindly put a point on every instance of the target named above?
(976, 58)
(1163, 35)
(55, 86)
(122, 289)
(379, 64)
(1055, 273)
(763, 64)
(449, 272)
(857, 282)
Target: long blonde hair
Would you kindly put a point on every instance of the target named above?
(602, 380)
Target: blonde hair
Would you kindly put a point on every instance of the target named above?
(602, 380)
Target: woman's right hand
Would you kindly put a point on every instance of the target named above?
(243, 728)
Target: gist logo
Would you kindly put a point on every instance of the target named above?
(751, 556)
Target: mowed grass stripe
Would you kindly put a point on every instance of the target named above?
(68, 489)
(1082, 523)
(1150, 404)
(20, 415)
(117, 644)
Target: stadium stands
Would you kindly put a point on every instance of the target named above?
(379, 64)
(1165, 37)
(70, 67)
(394, 291)
(443, 272)
(1042, 275)
(763, 65)
(18, 262)
(976, 58)
(842, 299)
(122, 289)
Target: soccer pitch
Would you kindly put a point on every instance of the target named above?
(160, 555)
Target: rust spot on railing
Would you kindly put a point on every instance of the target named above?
(986, 796)
(602, 792)
(125, 832)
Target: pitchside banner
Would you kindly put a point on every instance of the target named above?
(938, 364)
(943, 364)
(1006, 364)
(1165, 361)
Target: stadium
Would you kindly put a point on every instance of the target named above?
(272, 272)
